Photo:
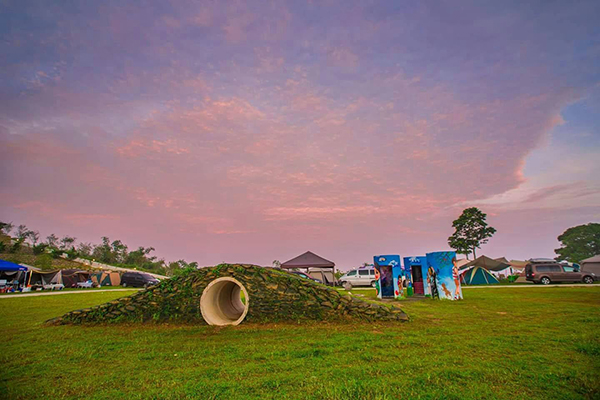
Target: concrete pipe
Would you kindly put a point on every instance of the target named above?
(221, 304)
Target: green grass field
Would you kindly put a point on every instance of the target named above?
(499, 343)
(119, 288)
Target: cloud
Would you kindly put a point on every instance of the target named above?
(136, 148)
(355, 125)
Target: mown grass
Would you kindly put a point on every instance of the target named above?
(500, 343)
(66, 290)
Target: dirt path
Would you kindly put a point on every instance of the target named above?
(34, 294)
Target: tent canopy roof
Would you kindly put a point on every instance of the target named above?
(596, 258)
(487, 263)
(461, 262)
(307, 260)
(518, 263)
(10, 266)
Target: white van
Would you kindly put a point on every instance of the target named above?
(364, 276)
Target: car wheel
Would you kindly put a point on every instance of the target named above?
(124, 284)
(545, 280)
(588, 279)
(347, 285)
(146, 285)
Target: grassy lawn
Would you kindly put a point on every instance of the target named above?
(69, 290)
(501, 343)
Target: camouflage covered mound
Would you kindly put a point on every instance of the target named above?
(272, 295)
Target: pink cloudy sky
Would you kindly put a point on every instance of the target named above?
(254, 131)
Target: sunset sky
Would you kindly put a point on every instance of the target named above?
(254, 131)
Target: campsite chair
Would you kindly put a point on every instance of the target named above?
(2, 283)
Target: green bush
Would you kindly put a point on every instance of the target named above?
(16, 246)
(56, 253)
(71, 254)
(39, 248)
(44, 261)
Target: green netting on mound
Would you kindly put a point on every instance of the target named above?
(273, 296)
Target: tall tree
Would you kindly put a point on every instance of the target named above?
(34, 237)
(6, 227)
(119, 251)
(22, 232)
(471, 231)
(85, 249)
(67, 243)
(52, 241)
(579, 242)
(103, 252)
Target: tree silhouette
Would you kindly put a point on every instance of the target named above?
(471, 231)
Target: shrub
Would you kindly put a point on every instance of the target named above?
(39, 248)
(16, 246)
(44, 261)
(56, 253)
(71, 254)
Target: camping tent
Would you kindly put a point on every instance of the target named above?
(44, 278)
(106, 278)
(12, 273)
(497, 268)
(316, 266)
(477, 276)
(591, 264)
(71, 277)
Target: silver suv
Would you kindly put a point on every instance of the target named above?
(364, 276)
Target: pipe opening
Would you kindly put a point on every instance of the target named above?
(224, 302)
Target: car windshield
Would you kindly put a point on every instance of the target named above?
(148, 276)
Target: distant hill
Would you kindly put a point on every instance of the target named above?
(31, 259)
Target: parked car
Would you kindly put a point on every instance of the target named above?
(364, 276)
(138, 279)
(547, 272)
(305, 276)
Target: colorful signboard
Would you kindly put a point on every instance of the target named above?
(387, 271)
(442, 275)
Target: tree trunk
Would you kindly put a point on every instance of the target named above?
(474, 255)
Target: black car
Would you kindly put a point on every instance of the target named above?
(137, 279)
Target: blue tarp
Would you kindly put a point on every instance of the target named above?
(9, 266)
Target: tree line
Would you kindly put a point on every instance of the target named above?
(111, 252)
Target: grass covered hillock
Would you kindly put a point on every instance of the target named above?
(272, 296)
